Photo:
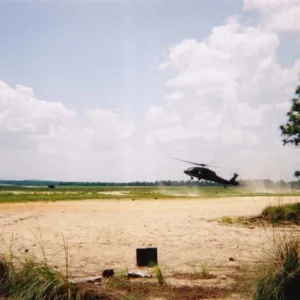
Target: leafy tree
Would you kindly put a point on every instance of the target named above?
(291, 130)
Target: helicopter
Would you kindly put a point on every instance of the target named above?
(206, 174)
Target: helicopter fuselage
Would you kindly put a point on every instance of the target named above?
(202, 173)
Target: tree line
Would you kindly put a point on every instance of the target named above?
(40, 183)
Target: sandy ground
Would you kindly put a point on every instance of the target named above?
(105, 233)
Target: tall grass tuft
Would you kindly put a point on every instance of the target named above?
(159, 275)
(36, 281)
(280, 279)
(7, 275)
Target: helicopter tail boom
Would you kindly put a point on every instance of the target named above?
(232, 180)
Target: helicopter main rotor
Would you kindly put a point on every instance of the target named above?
(194, 163)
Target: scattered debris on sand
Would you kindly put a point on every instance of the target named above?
(95, 280)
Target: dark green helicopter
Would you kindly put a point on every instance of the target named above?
(203, 173)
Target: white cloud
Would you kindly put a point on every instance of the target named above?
(108, 125)
(175, 96)
(48, 131)
(233, 91)
(22, 112)
(105, 129)
(25, 121)
(158, 115)
(279, 15)
(43, 121)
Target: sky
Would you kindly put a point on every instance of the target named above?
(109, 90)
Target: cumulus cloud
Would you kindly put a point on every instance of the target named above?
(22, 112)
(175, 96)
(48, 130)
(25, 120)
(106, 129)
(279, 15)
(159, 115)
(233, 92)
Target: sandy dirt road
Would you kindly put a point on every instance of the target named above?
(105, 233)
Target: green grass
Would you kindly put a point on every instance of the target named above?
(226, 220)
(159, 275)
(33, 280)
(64, 193)
(78, 193)
(280, 275)
(287, 212)
(274, 214)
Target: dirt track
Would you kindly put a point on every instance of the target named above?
(105, 233)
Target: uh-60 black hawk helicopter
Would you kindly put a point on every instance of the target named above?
(203, 173)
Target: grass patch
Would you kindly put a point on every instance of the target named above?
(275, 214)
(244, 221)
(38, 281)
(34, 280)
(280, 276)
(287, 212)
(64, 193)
(226, 220)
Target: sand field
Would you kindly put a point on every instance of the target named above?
(105, 233)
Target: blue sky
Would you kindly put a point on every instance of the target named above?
(99, 53)
(137, 81)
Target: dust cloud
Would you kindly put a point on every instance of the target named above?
(264, 187)
(189, 191)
